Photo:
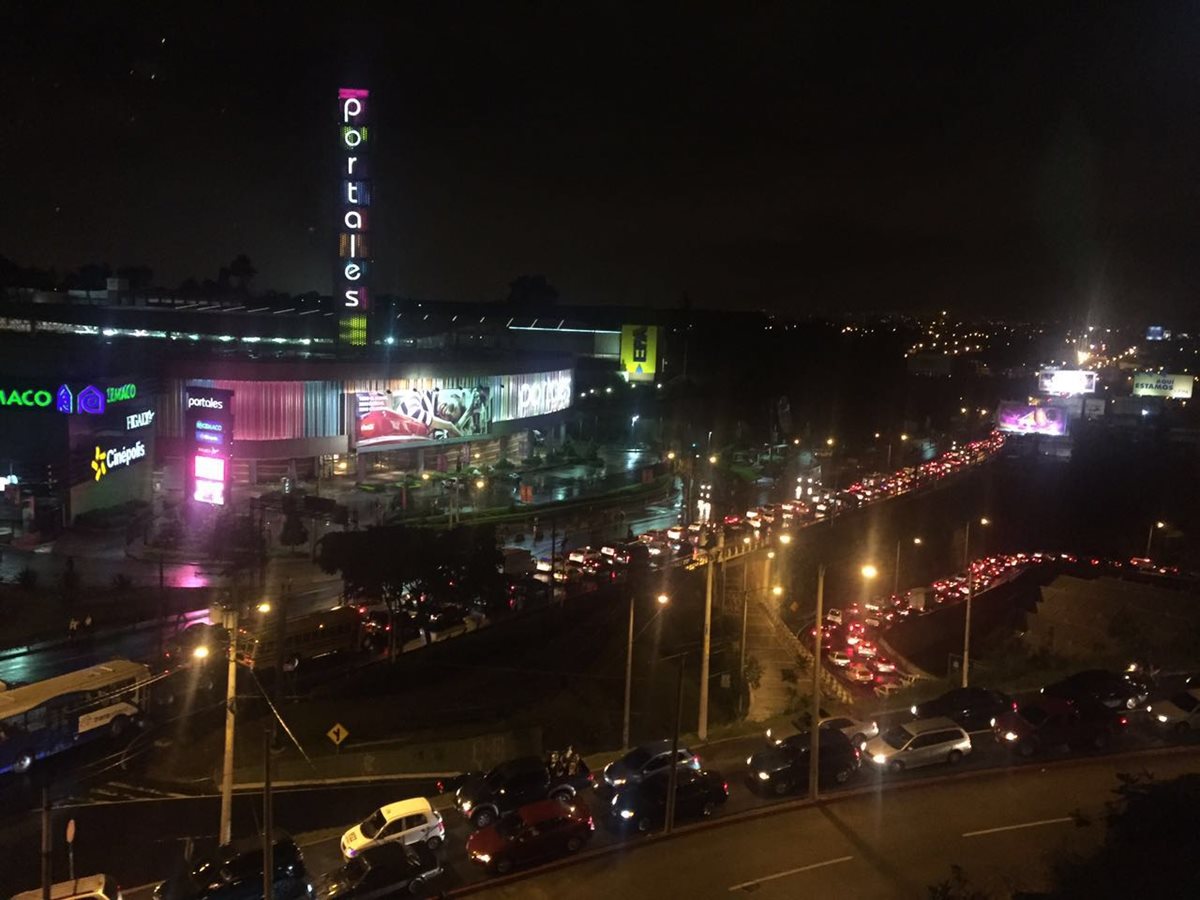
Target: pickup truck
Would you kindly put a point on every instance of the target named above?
(484, 798)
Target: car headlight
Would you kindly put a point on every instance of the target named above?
(764, 776)
(483, 857)
(749, 760)
(618, 781)
(1161, 717)
(627, 814)
(913, 709)
(1010, 735)
(992, 723)
(466, 806)
(879, 759)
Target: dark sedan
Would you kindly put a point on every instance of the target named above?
(784, 767)
(382, 871)
(973, 708)
(1084, 724)
(644, 805)
(1113, 689)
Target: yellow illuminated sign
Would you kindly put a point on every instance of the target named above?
(639, 352)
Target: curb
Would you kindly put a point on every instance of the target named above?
(625, 846)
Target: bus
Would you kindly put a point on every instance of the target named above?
(337, 630)
(47, 717)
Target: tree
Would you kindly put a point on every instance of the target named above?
(531, 291)
(242, 271)
(293, 533)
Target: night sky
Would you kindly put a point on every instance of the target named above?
(1032, 159)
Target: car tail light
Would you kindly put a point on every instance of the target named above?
(696, 760)
(441, 787)
(1123, 720)
(1014, 705)
(591, 776)
(725, 786)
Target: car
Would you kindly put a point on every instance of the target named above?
(1113, 689)
(784, 767)
(839, 657)
(382, 871)
(924, 742)
(86, 887)
(234, 871)
(972, 707)
(530, 833)
(484, 798)
(883, 664)
(1180, 713)
(859, 673)
(1082, 724)
(643, 805)
(866, 649)
(411, 821)
(859, 731)
(834, 615)
(646, 760)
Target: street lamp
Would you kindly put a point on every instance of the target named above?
(480, 484)
(896, 573)
(264, 607)
(777, 590)
(713, 459)
(869, 571)
(829, 442)
(671, 455)
(663, 600)
(785, 538)
(201, 652)
(1157, 526)
(966, 659)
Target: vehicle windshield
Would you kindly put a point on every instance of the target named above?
(509, 825)
(355, 870)
(1185, 701)
(896, 737)
(373, 824)
(636, 758)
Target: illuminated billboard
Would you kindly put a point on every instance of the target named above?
(209, 435)
(1021, 418)
(1066, 382)
(351, 283)
(1151, 384)
(639, 352)
(432, 414)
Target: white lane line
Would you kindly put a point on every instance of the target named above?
(1016, 827)
(820, 865)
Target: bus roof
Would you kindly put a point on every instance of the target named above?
(19, 700)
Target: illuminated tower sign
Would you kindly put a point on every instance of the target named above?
(209, 462)
(351, 283)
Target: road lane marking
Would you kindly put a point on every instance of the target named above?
(1036, 824)
(785, 874)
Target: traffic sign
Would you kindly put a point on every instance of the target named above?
(337, 734)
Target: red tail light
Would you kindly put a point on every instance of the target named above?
(725, 785)
(441, 787)
(1014, 705)
(1123, 720)
(591, 777)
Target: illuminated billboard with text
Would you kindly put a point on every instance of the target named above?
(1021, 418)
(351, 284)
(1151, 384)
(639, 352)
(209, 434)
(429, 410)
(1066, 382)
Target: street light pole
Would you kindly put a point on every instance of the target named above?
(966, 658)
(1150, 536)
(673, 779)
(896, 571)
(226, 830)
(815, 724)
(628, 676)
(702, 726)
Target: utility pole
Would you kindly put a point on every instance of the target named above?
(47, 877)
(162, 606)
(226, 830)
(896, 571)
(966, 658)
(673, 778)
(628, 675)
(815, 726)
(268, 819)
(702, 726)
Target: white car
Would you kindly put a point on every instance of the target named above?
(859, 673)
(834, 615)
(1181, 713)
(839, 657)
(407, 822)
(858, 730)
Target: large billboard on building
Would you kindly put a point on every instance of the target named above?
(111, 444)
(1066, 382)
(1152, 384)
(351, 284)
(1021, 418)
(639, 352)
(405, 412)
(208, 465)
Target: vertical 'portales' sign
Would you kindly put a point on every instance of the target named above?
(351, 284)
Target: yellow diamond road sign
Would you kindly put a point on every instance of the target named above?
(337, 734)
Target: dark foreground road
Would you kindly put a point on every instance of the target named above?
(1002, 827)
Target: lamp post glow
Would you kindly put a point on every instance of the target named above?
(1157, 526)
(896, 573)
(785, 539)
(869, 571)
(966, 658)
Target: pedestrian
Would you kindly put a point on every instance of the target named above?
(72, 628)
(87, 624)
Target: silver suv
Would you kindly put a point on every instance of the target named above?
(920, 743)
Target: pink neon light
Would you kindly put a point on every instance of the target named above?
(210, 492)
(358, 93)
(210, 467)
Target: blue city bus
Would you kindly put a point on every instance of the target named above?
(47, 717)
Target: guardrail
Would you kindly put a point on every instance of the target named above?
(829, 681)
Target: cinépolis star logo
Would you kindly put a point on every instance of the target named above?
(99, 464)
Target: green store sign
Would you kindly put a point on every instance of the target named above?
(25, 398)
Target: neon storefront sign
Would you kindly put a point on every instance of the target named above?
(354, 255)
(29, 398)
(104, 461)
